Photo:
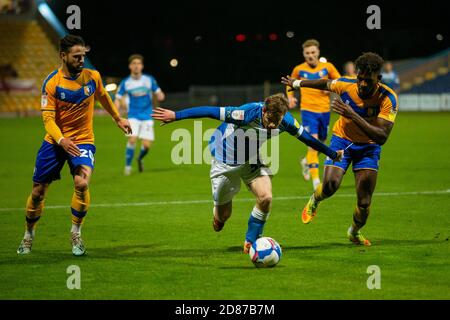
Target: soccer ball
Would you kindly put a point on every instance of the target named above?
(265, 252)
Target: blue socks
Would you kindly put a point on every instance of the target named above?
(143, 153)
(129, 153)
(256, 224)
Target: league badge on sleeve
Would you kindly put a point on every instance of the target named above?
(44, 100)
(238, 114)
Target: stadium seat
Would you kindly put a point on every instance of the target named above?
(26, 46)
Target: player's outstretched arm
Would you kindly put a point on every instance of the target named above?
(292, 126)
(167, 116)
(312, 142)
(295, 84)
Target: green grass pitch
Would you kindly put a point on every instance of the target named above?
(145, 242)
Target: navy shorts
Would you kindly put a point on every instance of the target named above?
(51, 158)
(316, 123)
(360, 155)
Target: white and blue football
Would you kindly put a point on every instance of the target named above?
(265, 252)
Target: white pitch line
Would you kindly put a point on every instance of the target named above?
(164, 203)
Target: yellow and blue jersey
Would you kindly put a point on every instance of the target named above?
(383, 104)
(314, 100)
(72, 100)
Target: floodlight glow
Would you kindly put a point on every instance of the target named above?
(111, 87)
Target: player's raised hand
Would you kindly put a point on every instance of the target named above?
(70, 147)
(341, 108)
(164, 115)
(289, 82)
(124, 125)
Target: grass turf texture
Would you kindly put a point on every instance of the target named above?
(171, 252)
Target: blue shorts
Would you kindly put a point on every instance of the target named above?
(360, 155)
(316, 123)
(51, 158)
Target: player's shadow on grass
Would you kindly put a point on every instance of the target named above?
(250, 266)
(291, 248)
(150, 251)
(165, 255)
(345, 244)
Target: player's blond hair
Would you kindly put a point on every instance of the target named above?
(310, 43)
(277, 103)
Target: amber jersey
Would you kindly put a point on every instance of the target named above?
(383, 104)
(72, 100)
(312, 99)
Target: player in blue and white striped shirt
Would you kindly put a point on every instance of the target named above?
(136, 91)
(235, 148)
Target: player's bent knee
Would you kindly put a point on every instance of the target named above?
(146, 144)
(37, 195)
(364, 203)
(265, 201)
(38, 192)
(132, 141)
(330, 186)
(80, 183)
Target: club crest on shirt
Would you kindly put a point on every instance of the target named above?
(87, 90)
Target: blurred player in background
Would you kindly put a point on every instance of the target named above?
(349, 69)
(137, 92)
(233, 161)
(67, 110)
(314, 105)
(389, 77)
(367, 113)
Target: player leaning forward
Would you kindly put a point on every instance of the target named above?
(235, 148)
(67, 111)
(367, 112)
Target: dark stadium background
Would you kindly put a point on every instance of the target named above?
(161, 30)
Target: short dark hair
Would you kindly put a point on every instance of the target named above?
(69, 41)
(136, 56)
(277, 103)
(369, 62)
